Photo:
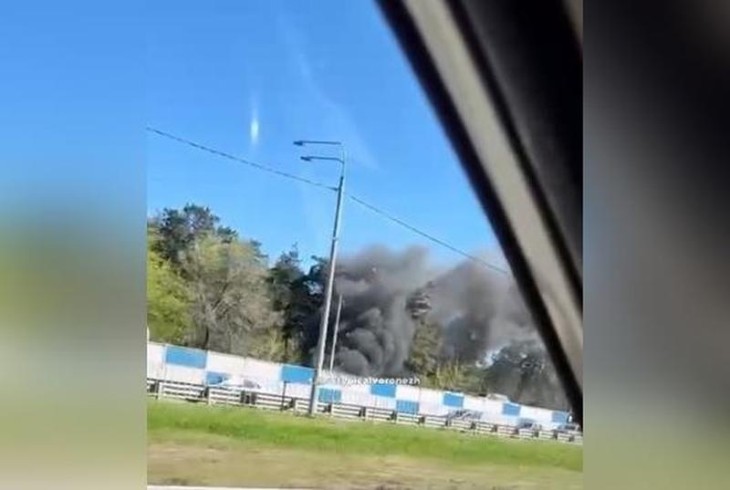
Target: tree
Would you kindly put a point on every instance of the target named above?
(230, 294)
(423, 359)
(227, 234)
(449, 375)
(475, 380)
(168, 302)
(268, 345)
(179, 229)
(282, 275)
(523, 372)
(316, 279)
(289, 298)
(307, 301)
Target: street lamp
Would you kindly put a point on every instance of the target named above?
(337, 327)
(332, 262)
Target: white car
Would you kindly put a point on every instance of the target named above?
(469, 415)
(530, 425)
(571, 429)
(237, 383)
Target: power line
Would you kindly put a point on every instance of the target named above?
(259, 166)
(356, 199)
(426, 235)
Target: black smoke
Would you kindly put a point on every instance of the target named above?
(523, 371)
(480, 310)
(384, 293)
(376, 326)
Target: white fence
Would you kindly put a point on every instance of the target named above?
(182, 365)
(199, 393)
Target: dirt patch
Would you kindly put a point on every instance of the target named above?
(254, 465)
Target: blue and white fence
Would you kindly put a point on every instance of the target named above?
(185, 365)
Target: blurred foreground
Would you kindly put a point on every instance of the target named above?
(200, 445)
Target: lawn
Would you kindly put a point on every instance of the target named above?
(194, 444)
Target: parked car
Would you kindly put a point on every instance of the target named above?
(470, 415)
(529, 425)
(237, 383)
(569, 428)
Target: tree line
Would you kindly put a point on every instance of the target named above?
(209, 288)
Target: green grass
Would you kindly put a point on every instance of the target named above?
(192, 424)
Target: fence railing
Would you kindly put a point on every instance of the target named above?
(222, 396)
(182, 364)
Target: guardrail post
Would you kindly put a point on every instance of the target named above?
(283, 397)
(158, 389)
(207, 395)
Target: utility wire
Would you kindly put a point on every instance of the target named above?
(426, 235)
(356, 199)
(259, 166)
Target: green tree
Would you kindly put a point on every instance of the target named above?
(269, 345)
(289, 298)
(230, 295)
(283, 274)
(449, 375)
(475, 380)
(423, 359)
(178, 229)
(305, 313)
(168, 302)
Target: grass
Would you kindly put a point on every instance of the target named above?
(194, 444)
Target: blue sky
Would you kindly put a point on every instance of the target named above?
(248, 78)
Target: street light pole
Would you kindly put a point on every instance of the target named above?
(332, 265)
(337, 327)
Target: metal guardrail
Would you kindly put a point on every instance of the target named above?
(267, 401)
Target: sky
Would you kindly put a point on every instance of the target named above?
(249, 78)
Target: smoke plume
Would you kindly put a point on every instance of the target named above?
(385, 292)
(376, 327)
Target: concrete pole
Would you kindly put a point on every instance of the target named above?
(328, 294)
(337, 327)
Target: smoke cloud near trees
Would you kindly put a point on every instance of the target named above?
(386, 293)
(459, 327)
